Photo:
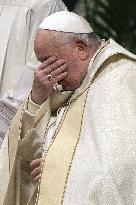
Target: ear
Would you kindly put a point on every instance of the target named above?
(82, 50)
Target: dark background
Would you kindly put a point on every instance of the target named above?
(109, 18)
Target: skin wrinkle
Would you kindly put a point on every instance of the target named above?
(90, 39)
(53, 43)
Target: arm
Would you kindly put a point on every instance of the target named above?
(37, 109)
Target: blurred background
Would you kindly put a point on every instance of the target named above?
(109, 18)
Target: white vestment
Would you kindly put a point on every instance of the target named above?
(104, 162)
(19, 21)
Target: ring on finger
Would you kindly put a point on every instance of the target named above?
(49, 77)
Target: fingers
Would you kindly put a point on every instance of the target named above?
(56, 72)
(36, 172)
(50, 72)
(48, 62)
(60, 77)
(37, 178)
(59, 70)
(52, 67)
(36, 167)
(35, 163)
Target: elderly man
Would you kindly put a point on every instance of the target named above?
(77, 128)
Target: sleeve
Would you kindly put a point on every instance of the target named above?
(33, 113)
(34, 121)
(32, 107)
(114, 122)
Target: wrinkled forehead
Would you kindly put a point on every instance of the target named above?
(40, 39)
(42, 43)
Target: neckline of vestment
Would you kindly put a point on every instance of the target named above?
(89, 77)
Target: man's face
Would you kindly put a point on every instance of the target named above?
(45, 47)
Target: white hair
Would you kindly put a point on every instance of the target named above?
(90, 39)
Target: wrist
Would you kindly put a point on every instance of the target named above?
(37, 100)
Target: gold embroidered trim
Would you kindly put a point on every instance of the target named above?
(46, 152)
(73, 155)
(53, 139)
